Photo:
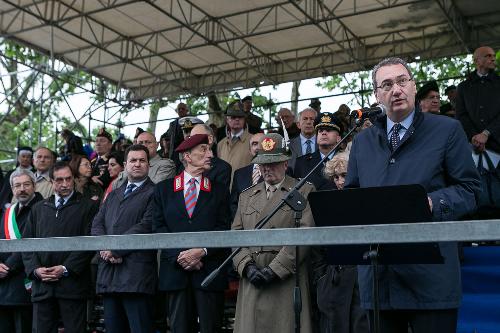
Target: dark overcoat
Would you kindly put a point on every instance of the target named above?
(12, 287)
(170, 216)
(242, 180)
(435, 154)
(73, 219)
(122, 216)
(305, 163)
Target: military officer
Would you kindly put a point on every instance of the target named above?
(267, 273)
(192, 202)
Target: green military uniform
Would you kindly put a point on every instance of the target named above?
(270, 308)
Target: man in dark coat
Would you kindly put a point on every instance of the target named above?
(328, 129)
(15, 303)
(191, 202)
(305, 143)
(24, 161)
(127, 279)
(411, 147)
(61, 280)
(478, 102)
(246, 176)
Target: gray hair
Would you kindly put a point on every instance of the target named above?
(22, 172)
(388, 62)
(307, 109)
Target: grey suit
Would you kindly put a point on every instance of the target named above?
(296, 149)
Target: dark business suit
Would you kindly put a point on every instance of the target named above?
(187, 299)
(242, 180)
(304, 165)
(127, 287)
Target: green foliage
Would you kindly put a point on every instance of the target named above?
(445, 70)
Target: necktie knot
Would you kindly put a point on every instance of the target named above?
(270, 191)
(130, 188)
(60, 202)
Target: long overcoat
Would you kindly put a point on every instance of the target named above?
(270, 309)
(435, 154)
(121, 216)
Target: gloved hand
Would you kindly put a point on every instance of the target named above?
(268, 275)
(254, 275)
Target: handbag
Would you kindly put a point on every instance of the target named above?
(490, 183)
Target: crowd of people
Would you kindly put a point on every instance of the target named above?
(197, 177)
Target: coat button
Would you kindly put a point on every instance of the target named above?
(392, 161)
(189, 221)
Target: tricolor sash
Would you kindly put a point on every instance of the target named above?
(12, 232)
(10, 224)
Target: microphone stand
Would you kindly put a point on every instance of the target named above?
(297, 203)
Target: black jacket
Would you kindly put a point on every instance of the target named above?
(12, 289)
(304, 164)
(73, 219)
(478, 107)
(120, 216)
(242, 180)
(170, 216)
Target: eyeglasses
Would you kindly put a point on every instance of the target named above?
(87, 165)
(401, 81)
(17, 186)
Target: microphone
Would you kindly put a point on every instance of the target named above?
(364, 113)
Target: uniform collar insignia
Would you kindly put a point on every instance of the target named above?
(205, 184)
(179, 182)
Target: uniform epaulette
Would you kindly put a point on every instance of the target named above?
(249, 187)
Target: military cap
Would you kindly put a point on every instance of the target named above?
(314, 102)
(191, 142)
(188, 122)
(246, 98)
(235, 109)
(272, 149)
(426, 88)
(328, 119)
(138, 131)
(102, 132)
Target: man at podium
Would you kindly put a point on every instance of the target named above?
(403, 147)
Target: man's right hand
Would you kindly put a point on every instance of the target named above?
(4, 270)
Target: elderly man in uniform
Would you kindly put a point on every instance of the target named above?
(404, 147)
(265, 296)
(187, 203)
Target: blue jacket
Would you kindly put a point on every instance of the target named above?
(434, 153)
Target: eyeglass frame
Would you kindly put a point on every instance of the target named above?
(398, 81)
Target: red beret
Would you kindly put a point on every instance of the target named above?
(191, 142)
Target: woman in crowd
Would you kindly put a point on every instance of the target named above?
(82, 171)
(337, 288)
(115, 166)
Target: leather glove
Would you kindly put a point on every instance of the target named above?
(254, 275)
(268, 274)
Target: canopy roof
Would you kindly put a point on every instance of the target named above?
(170, 47)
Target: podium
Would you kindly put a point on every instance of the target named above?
(375, 205)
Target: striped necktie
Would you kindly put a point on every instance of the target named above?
(190, 197)
(255, 174)
(308, 146)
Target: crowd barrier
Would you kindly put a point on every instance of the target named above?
(477, 230)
